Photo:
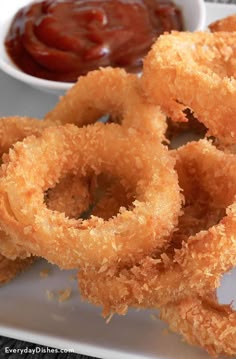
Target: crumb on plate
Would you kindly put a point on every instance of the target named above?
(45, 273)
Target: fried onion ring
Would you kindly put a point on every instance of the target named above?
(13, 129)
(9, 269)
(203, 322)
(16, 128)
(190, 265)
(198, 71)
(109, 196)
(226, 24)
(70, 196)
(116, 93)
(142, 165)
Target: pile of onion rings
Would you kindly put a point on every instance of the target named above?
(146, 226)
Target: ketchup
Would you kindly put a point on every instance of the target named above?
(62, 39)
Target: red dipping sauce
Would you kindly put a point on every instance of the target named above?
(62, 39)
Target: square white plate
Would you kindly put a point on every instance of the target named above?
(27, 314)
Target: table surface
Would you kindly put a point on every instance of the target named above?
(10, 343)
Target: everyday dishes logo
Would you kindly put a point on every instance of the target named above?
(36, 350)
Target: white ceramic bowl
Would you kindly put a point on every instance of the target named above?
(194, 15)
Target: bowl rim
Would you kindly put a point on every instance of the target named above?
(201, 25)
(11, 69)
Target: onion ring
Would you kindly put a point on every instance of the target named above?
(13, 129)
(109, 196)
(204, 323)
(9, 269)
(198, 72)
(227, 24)
(70, 196)
(116, 93)
(127, 237)
(190, 265)
(16, 128)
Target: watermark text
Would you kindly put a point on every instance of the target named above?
(36, 350)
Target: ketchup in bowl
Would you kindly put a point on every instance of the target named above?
(62, 39)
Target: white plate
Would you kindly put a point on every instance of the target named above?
(27, 314)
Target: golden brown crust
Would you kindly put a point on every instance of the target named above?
(196, 71)
(70, 196)
(226, 24)
(10, 268)
(203, 322)
(141, 164)
(190, 265)
(16, 128)
(116, 93)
